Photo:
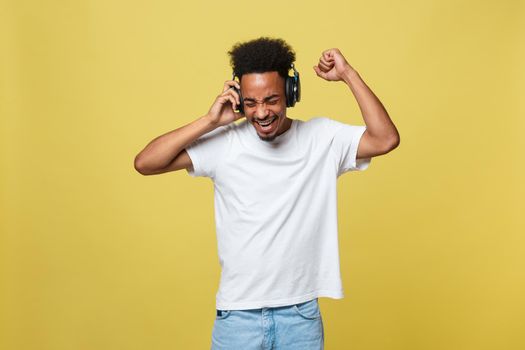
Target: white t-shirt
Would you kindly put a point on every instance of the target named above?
(276, 209)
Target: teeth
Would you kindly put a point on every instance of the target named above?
(267, 123)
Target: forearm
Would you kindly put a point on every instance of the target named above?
(378, 123)
(163, 149)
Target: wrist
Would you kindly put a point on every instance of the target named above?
(349, 74)
(209, 122)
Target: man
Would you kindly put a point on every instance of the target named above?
(275, 193)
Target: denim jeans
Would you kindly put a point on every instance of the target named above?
(291, 327)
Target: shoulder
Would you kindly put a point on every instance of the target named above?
(222, 132)
(313, 131)
(331, 126)
(320, 124)
(320, 121)
(316, 121)
(229, 128)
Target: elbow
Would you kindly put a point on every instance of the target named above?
(139, 166)
(393, 143)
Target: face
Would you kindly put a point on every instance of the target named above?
(265, 104)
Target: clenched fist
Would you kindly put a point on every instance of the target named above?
(332, 65)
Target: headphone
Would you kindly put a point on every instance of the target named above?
(292, 90)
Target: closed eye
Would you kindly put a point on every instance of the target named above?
(270, 102)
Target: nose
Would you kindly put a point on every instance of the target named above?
(261, 111)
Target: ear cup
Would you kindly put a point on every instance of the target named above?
(298, 86)
(293, 89)
(288, 90)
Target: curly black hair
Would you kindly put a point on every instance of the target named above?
(261, 55)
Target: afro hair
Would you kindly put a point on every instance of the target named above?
(261, 55)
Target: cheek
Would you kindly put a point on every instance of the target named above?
(279, 109)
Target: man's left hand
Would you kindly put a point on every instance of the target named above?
(332, 65)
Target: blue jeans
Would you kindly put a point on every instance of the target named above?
(291, 327)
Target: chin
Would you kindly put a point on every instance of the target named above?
(267, 138)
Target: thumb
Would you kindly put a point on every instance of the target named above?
(319, 72)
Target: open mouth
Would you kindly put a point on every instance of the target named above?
(267, 125)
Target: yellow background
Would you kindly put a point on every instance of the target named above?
(96, 256)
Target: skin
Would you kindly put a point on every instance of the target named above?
(264, 98)
(167, 152)
(381, 135)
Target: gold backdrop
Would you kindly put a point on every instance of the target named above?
(94, 255)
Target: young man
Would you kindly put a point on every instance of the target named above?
(275, 192)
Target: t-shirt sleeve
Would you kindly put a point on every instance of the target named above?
(207, 152)
(344, 144)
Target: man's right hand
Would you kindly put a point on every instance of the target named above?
(167, 152)
(222, 111)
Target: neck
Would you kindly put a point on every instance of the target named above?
(286, 125)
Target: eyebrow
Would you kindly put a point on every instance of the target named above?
(265, 99)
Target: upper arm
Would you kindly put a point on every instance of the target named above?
(370, 146)
(181, 161)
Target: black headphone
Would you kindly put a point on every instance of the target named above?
(292, 90)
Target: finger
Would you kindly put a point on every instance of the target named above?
(324, 67)
(327, 63)
(233, 93)
(328, 55)
(228, 84)
(319, 72)
(327, 59)
(238, 115)
(228, 98)
(225, 98)
(233, 102)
